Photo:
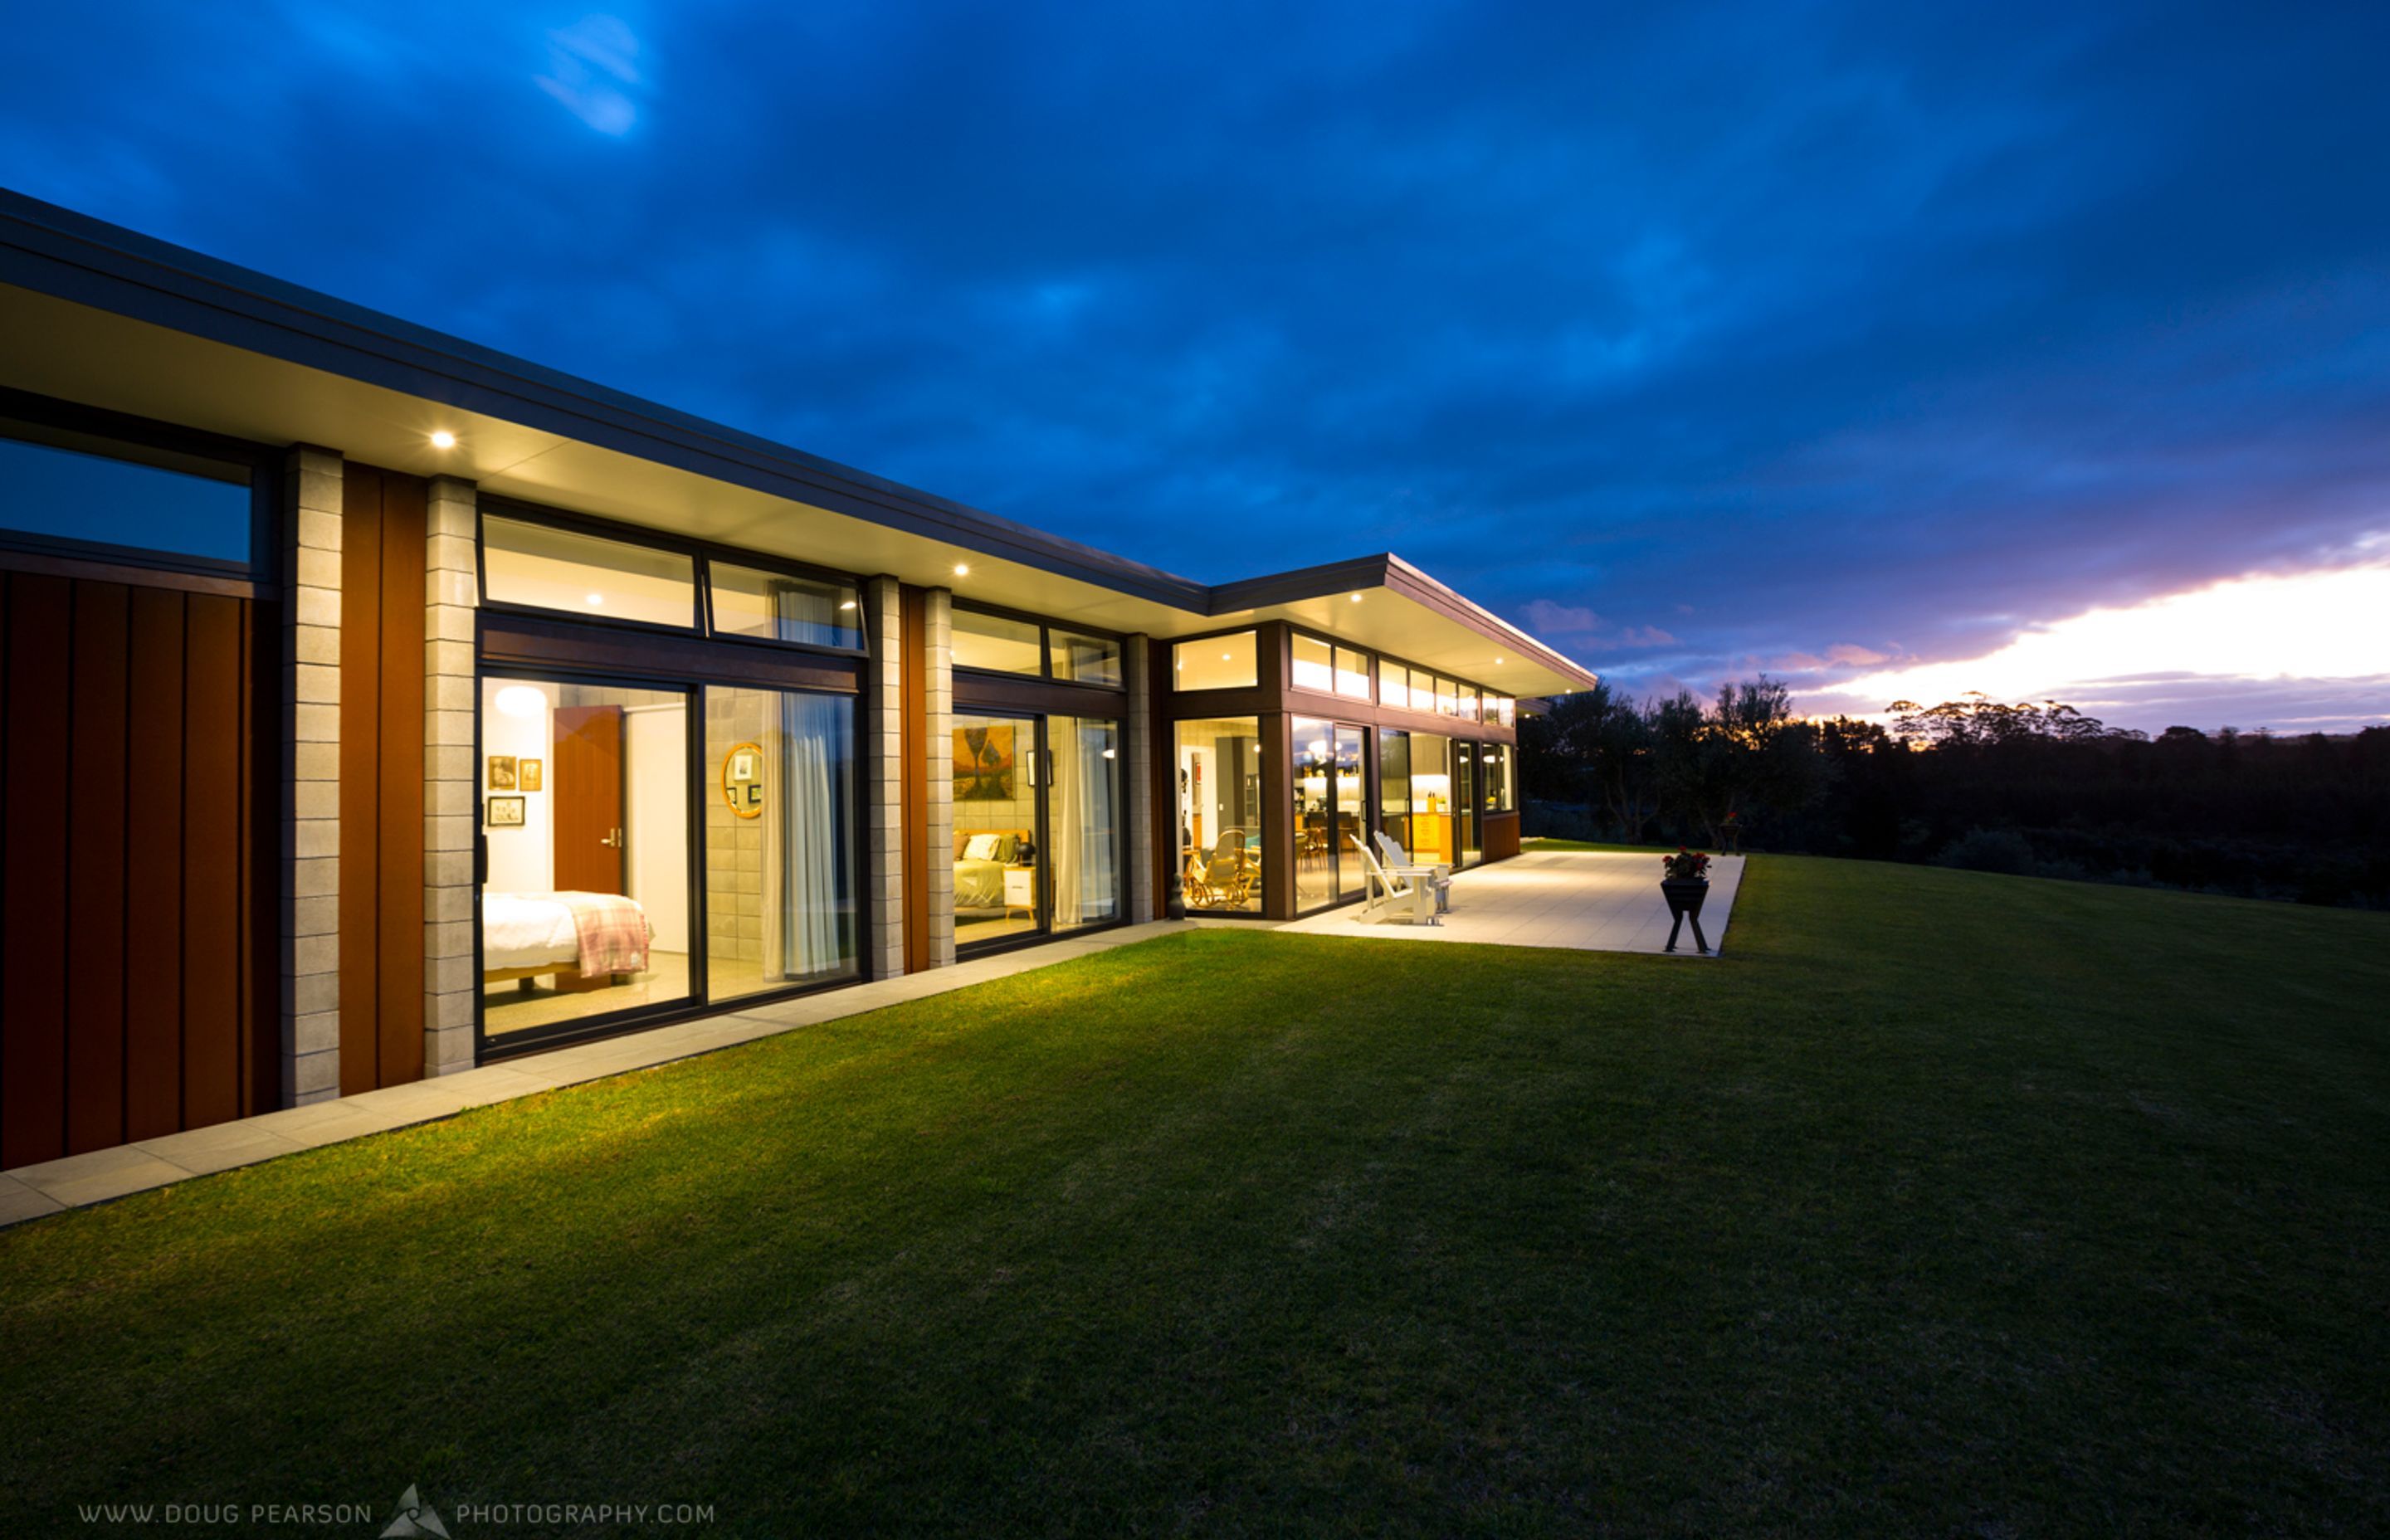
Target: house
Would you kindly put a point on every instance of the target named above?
(377, 705)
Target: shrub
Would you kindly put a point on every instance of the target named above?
(1990, 850)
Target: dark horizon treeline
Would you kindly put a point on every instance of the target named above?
(2035, 790)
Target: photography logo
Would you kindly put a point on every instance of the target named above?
(415, 1517)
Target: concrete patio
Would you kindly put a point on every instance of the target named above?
(1589, 901)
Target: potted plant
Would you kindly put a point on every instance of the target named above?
(1730, 834)
(1684, 882)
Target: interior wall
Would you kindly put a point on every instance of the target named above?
(655, 808)
(522, 860)
(734, 846)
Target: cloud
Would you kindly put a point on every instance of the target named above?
(592, 68)
(1644, 636)
(1546, 618)
(2266, 637)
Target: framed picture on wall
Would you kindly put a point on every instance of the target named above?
(504, 811)
(527, 775)
(502, 772)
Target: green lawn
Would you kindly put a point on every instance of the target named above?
(1942, 1204)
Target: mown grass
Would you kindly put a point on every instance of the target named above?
(1945, 1204)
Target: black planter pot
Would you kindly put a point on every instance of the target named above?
(1684, 898)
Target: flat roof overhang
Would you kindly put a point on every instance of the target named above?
(96, 315)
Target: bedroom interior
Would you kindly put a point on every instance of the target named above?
(1036, 823)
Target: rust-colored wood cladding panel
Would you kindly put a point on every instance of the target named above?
(913, 775)
(213, 939)
(359, 749)
(96, 809)
(128, 905)
(399, 945)
(1499, 836)
(381, 778)
(33, 905)
(153, 894)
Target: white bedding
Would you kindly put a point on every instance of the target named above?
(526, 930)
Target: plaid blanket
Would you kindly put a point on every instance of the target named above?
(614, 932)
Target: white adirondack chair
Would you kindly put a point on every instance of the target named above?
(1399, 863)
(1383, 888)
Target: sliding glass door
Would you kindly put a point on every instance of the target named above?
(1037, 825)
(780, 798)
(1330, 812)
(637, 862)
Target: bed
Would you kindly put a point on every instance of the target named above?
(982, 857)
(592, 936)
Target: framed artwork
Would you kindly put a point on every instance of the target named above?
(984, 764)
(505, 811)
(502, 772)
(742, 780)
(527, 775)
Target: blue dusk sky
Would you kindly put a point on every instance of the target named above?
(1897, 349)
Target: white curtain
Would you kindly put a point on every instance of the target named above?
(815, 731)
(1083, 813)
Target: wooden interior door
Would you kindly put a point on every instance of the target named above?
(585, 788)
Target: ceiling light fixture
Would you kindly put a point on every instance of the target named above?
(962, 568)
(443, 440)
(596, 601)
(521, 700)
(1356, 598)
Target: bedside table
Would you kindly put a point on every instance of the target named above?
(1020, 892)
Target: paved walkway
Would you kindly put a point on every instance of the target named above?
(1591, 901)
(30, 1193)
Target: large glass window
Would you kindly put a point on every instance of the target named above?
(1432, 837)
(1465, 808)
(1352, 673)
(584, 810)
(813, 612)
(1494, 777)
(586, 575)
(1393, 686)
(1502, 710)
(780, 820)
(1216, 663)
(171, 503)
(1315, 664)
(1467, 711)
(998, 643)
(1085, 660)
(1220, 771)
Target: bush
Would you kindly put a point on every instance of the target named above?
(1990, 850)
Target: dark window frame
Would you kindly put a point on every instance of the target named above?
(703, 554)
(101, 434)
(1047, 625)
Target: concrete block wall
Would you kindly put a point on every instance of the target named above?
(883, 778)
(310, 885)
(1137, 660)
(450, 812)
(938, 676)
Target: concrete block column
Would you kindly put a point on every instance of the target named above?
(1137, 668)
(938, 676)
(451, 809)
(884, 772)
(309, 773)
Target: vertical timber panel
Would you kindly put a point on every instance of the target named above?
(212, 1026)
(398, 944)
(360, 717)
(153, 897)
(95, 816)
(32, 907)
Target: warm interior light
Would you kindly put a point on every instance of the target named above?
(1108, 753)
(848, 605)
(521, 700)
(443, 440)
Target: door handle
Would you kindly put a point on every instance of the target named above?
(612, 838)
